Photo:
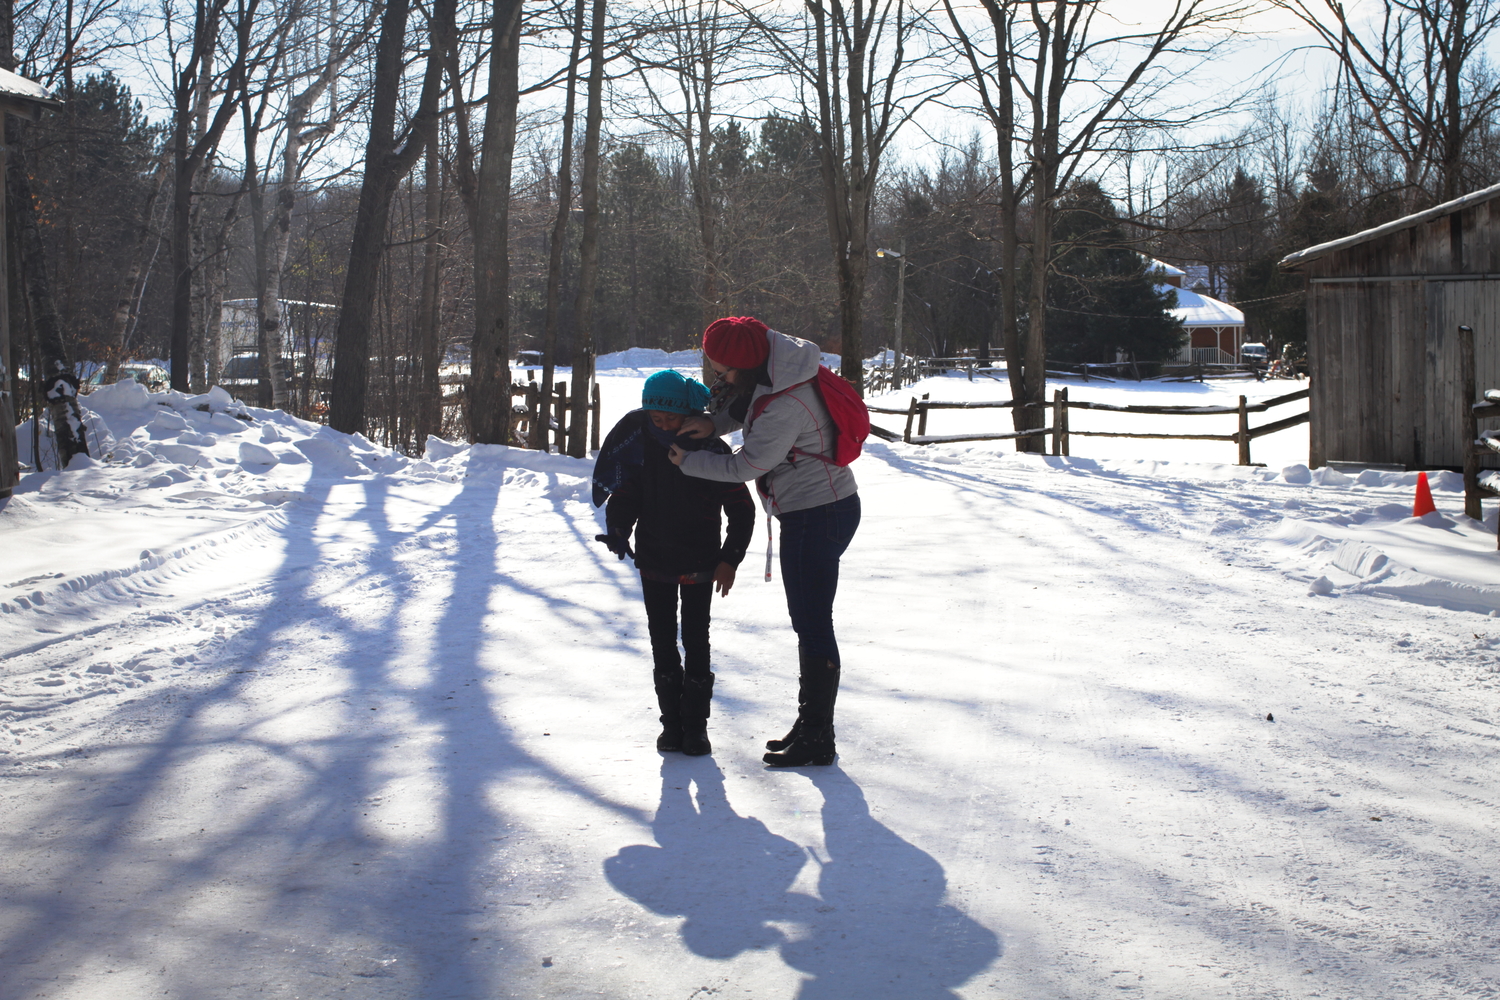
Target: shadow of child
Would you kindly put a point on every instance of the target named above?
(727, 874)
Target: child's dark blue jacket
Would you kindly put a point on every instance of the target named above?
(675, 517)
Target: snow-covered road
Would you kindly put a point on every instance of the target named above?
(389, 735)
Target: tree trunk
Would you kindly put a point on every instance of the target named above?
(539, 438)
(489, 355)
(273, 236)
(588, 257)
(386, 163)
(430, 390)
(195, 135)
(202, 283)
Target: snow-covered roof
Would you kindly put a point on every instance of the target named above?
(1312, 253)
(1162, 267)
(12, 85)
(1194, 309)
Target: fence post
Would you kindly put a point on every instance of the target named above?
(911, 414)
(561, 407)
(594, 430)
(537, 414)
(1473, 505)
(1243, 437)
(1065, 419)
(1057, 420)
(922, 421)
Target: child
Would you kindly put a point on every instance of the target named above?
(677, 545)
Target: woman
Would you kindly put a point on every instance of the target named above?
(788, 450)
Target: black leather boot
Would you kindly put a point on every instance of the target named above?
(791, 736)
(668, 679)
(697, 693)
(811, 739)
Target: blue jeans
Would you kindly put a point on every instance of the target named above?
(812, 541)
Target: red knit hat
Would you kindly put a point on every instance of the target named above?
(737, 342)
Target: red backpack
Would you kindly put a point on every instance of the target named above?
(851, 419)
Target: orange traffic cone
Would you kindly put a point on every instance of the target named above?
(1424, 504)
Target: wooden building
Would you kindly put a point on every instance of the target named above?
(1383, 311)
(26, 99)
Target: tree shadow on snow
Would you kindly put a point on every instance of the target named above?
(878, 927)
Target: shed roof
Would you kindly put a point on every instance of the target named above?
(15, 86)
(1395, 226)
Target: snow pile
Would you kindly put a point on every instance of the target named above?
(648, 358)
(168, 462)
(1380, 549)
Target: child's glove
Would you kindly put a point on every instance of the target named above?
(616, 544)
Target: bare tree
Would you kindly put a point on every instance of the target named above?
(198, 125)
(489, 354)
(310, 54)
(564, 195)
(1062, 85)
(690, 54)
(588, 262)
(429, 417)
(854, 61)
(1414, 74)
(388, 158)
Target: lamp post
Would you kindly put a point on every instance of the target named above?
(900, 256)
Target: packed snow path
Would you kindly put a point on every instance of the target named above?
(392, 737)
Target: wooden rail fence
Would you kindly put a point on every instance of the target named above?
(538, 402)
(1060, 432)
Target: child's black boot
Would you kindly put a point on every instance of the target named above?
(697, 692)
(669, 699)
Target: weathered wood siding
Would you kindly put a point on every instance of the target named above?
(1383, 354)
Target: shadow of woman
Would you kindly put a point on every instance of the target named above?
(726, 873)
(882, 929)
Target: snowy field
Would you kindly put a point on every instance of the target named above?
(285, 714)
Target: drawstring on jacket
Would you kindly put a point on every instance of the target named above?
(768, 546)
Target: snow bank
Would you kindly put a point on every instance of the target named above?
(648, 358)
(1385, 552)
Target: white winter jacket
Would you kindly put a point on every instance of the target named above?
(786, 480)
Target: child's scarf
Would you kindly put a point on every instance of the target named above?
(624, 451)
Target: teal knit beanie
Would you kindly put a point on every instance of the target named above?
(674, 392)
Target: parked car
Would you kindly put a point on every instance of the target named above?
(1254, 354)
(154, 377)
(240, 375)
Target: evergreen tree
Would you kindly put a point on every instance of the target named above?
(1101, 300)
(91, 169)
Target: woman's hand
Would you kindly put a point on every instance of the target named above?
(676, 454)
(723, 578)
(696, 426)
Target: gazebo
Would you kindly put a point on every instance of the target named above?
(25, 99)
(1215, 329)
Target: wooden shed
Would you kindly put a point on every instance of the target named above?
(24, 98)
(1384, 308)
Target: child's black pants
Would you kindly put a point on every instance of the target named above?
(661, 623)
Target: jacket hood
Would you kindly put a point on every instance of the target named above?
(791, 360)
